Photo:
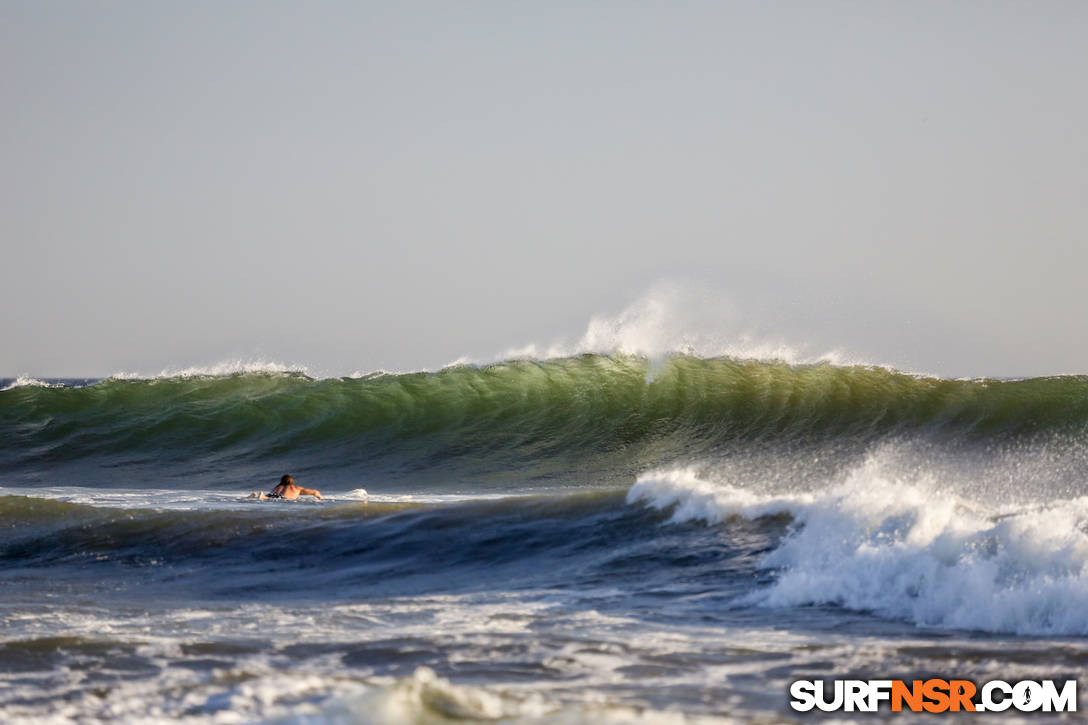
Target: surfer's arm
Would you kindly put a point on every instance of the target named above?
(309, 492)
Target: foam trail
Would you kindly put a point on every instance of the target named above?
(907, 549)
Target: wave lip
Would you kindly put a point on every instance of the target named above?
(905, 549)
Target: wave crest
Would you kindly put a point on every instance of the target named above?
(25, 381)
(225, 368)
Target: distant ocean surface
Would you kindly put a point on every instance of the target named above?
(586, 539)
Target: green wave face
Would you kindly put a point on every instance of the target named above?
(599, 415)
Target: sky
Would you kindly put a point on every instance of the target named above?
(372, 185)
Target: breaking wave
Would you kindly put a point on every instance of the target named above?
(905, 548)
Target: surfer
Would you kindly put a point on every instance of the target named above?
(286, 488)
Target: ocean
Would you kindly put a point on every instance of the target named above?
(584, 539)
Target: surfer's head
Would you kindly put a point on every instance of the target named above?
(287, 481)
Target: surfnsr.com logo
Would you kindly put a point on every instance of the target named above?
(934, 695)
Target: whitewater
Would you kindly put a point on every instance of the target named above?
(600, 533)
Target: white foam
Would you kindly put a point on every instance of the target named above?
(263, 685)
(906, 548)
(225, 368)
(699, 499)
(25, 381)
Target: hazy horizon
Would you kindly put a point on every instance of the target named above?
(353, 187)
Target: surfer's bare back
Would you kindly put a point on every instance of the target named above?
(287, 489)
